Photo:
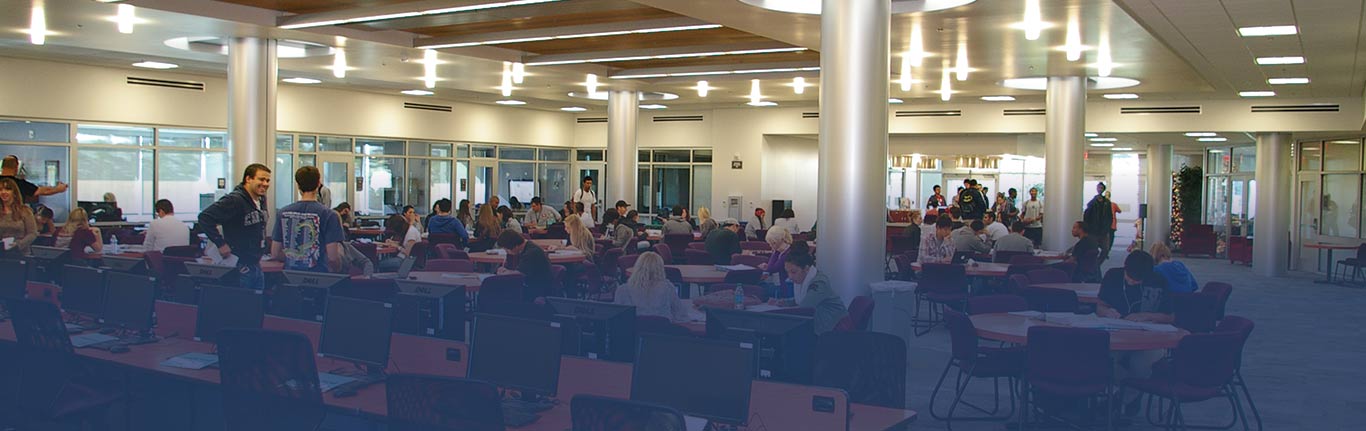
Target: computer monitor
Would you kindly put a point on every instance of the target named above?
(319, 280)
(47, 253)
(14, 282)
(209, 272)
(222, 307)
(516, 353)
(129, 301)
(100, 211)
(357, 330)
(83, 290)
(133, 265)
(604, 331)
(784, 345)
(700, 377)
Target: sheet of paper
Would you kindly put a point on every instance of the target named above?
(695, 423)
(191, 361)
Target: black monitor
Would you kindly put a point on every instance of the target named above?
(129, 301)
(784, 345)
(83, 290)
(604, 330)
(133, 265)
(101, 211)
(357, 330)
(210, 273)
(516, 353)
(700, 377)
(222, 307)
(47, 253)
(320, 280)
(14, 282)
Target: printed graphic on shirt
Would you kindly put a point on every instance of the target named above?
(301, 243)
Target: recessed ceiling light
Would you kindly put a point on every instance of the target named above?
(398, 15)
(301, 80)
(1287, 81)
(1091, 135)
(1120, 96)
(762, 103)
(510, 102)
(1256, 93)
(1213, 139)
(895, 101)
(1269, 30)
(417, 92)
(998, 98)
(37, 25)
(1104, 139)
(1216, 151)
(653, 106)
(573, 109)
(1201, 134)
(1122, 149)
(1103, 144)
(1280, 60)
(155, 65)
(1040, 83)
(668, 29)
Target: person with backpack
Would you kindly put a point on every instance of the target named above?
(1097, 219)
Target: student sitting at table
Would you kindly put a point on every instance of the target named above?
(937, 247)
(811, 289)
(676, 224)
(531, 263)
(487, 228)
(348, 218)
(580, 238)
(166, 230)
(993, 227)
(540, 216)
(443, 223)
(650, 291)
(1135, 293)
(464, 214)
(43, 216)
(1086, 254)
(407, 224)
(780, 240)
(1179, 279)
(706, 224)
(508, 220)
(617, 231)
(968, 239)
(724, 242)
(78, 236)
(1016, 241)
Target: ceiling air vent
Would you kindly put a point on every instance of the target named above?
(1030, 111)
(1313, 107)
(938, 113)
(426, 107)
(674, 118)
(1161, 110)
(164, 83)
(811, 115)
(589, 120)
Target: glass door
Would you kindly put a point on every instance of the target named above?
(462, 182)
(594, 171)
(336, 170)
(483, 180)
(1308, 259)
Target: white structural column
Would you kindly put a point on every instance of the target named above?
(252, 73)
(622, 114)
(1271, 223)
(853, 143)
(1064, 133)
(1159, 224)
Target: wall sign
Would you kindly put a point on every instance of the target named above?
(736, 164)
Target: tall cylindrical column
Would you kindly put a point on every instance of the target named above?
(853, 143)
(622, 114)
(1159, 223)
(1271, 222)
(1064, 131)
(252, 73)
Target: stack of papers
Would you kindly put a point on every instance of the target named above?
(191, 361)
(734, 267)
(1094, 322)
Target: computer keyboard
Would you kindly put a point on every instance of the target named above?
(89, 340)
(328, 381)
(356, 384)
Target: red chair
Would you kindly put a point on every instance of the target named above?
(1024, 259)
(1199, 239)
(665, 252)
(557, 284)
(1203, 366)
(505, 288)
(905, 267)
(445, 238)
(697, 246)
(595, 413)
(697, 257)
(869, 366)
(449, 265)
(1049, 300)
(675, 241)
(860, 313)
(1221, 292)
(1240, 250)
(744, 276)
(182, 251)
(1067, 363)
(50, 382)
(1197, 312)
(752, 245)
(627, 262)
(269, 380)
(369, 249)
(941, 285)
(974, 361)
(1014, 283)
(449, 251)
(420, 251)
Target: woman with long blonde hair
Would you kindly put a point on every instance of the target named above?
(487, 227)
(705, 223)
(650, 291)
(580, 238)
(17, 224)
(77, 235)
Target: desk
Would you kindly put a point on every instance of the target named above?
(779, 405)
(695, 274)
(982, 269)
(1088, 293)
(1012, 328)
(555, 258)
(656, 236)
(1331, 263)
(470, 280)
(546, 244)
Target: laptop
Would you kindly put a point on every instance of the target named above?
(403, 270)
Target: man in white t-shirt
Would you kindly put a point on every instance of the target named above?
(1032, 216)
(165, 230)
(995, 230)
(587, 197)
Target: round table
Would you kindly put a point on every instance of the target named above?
(981, 269)
(1012, 328)
(1086, 292)
(555, 258)
(545, 244)
(653, 236)
(696, 274)
(469, 280)
(1331, 262)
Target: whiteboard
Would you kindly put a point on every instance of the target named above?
(523, 190)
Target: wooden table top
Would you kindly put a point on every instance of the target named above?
(981, 269)
(1013, 328)
(699, 274)
(1086, 292)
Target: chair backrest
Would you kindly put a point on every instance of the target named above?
(659, 325)
(1007, 256)
(943, 277)
(505, 287)
(269, 380)
(905, 267)
(450, 251)
(752, 245)
(902, 244)
(182, 251)
(1207, 360)
(666, 252)
(1221, 292)
(1016, 282)
(988, 304)
(1195, 312)
(372, 289)
(962, 336)
(442, 404)
(369, 249)
(557, 279)
(444, 238)
(1048, 275)
(697, 245)
(697, 257)
(677, 241)
(1077, 359)
(744, 276)
(1236, 325)
(607, 265)
(45, 360)
(627, 261)
(154, 262)
(1024, 259)
(860, 312)
(1050, 300)
(420, 251)
(1022, 269)
(761, 233)
(449, 265)
(870, 366)
(595, 413)
(1069, 267)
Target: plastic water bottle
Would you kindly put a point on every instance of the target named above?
(739, 297)
(114, 243)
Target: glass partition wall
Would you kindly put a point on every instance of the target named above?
(1330, 193)
(1230, 192)
(673, 177)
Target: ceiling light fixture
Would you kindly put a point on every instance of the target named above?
(998, 98)
(417, 92)
(762, 104)
(1120, 96)
(1256, 93)
(905, 78)
(1102, 145)
(1033, 23)
(505, 86)
(702, 88)
(155, 65)
(398, 15)
(510, 102)
(1270, 30)
(720, 72)
(1280, 60)
(1104, 139)
(592, 83)
(945, 91)
(1213, 139)
(125, 18)
(1073, 44)
(754, 95)
(1104, 65)
(895, 101)
(518, 72)
(298, 80)
(37, 26)
(667, 56)
(1122, 149)
(1090, 135)
(961, 66)
(573, 109)
(653, 106)
(339, 63)
(917, 49)
(799, 85)
(429, 62)
(574, 36)
(1200, 134)
(1287, 81)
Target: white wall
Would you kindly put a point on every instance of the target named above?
(789, 175)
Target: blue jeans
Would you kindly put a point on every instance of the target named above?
(249, 275)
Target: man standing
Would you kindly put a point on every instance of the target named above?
(242, 215)
(9, 169)
(539, 216)
(1012, 208)
(1097, 219)
(724, 242)
(972, 202)
(308, 235)
(936, 200)
(587, 197)
(324, 195)
(165, 230)
(754, 225)
(1033, 218)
